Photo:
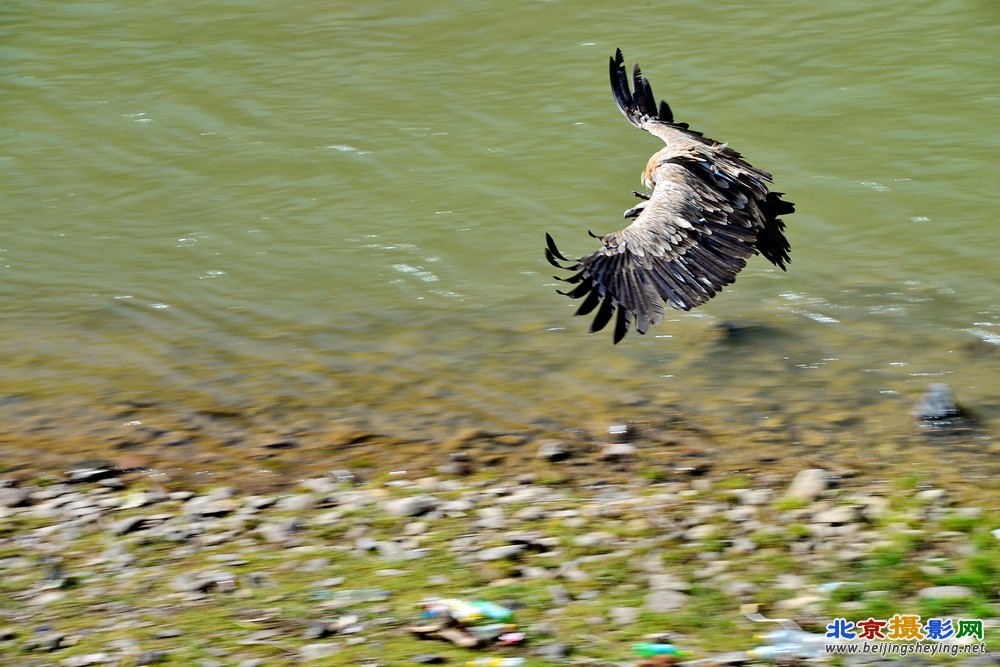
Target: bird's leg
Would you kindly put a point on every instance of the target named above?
(637, 209)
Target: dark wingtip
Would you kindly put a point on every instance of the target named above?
(551, 246)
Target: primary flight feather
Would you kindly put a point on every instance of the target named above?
(708, 211)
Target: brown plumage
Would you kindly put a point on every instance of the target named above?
(709, 211)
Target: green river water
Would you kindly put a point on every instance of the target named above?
(313, 213)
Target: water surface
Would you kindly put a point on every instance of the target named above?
(334, 213)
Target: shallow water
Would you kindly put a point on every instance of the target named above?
(335, 212)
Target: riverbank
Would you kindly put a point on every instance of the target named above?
(124, 569)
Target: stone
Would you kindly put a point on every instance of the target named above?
(559, 594)
(318, 651)
(511, 551)
(836, 516)
(623, 616)
(555, 651)
(411, 505)
(667, 582)
(946, 592)
(739, 589)
(617, 451)
(552, 451)
(47, 597)
(808, 484)
(298, 502)
(415, 528)
(937, 403)
(664, 601)
(593, 539)
(280, 531)
(151, 657)
(90, 471)
(700, 532)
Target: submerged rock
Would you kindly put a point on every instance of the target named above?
(937, 403)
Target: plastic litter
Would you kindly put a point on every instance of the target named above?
(495, 662)
(492, 610)
(511, 638)
(789, 641)
(648, 650)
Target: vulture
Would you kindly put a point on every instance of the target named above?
(706, 211)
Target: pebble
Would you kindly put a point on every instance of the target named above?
(553, 451)
(617, 451)
(318, 651)
(411, 506)
(946, 592)
(937, 403)
(665, 601)
(610, 544)
(808, 484)
(151, 657)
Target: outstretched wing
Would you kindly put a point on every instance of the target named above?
(708, 212)
(682, 249)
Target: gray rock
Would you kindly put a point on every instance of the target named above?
(415, 528)
(48, 597)
(11, 497)
(739, 589)
(50, 641)
(623, 616)
(937, 403)
(296, 503)
(664, 601)
(511, 551)
(555, 651)
(553, 450)
(836, 516)
(127, 525)
(617, 451)
(90, 471)
(593, 539)
(317, 651)
(251, 662)
(560, 596)
(86, 660)
(411, 506)
(316, 630)
(946, 592)
(808, 484)
(700, 532)
(667, 582)
(281, 531)
(151, 657)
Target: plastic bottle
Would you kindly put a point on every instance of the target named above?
(647, 650)
(462, 611)
(495, 662)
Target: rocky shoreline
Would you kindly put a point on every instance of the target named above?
(120, 570)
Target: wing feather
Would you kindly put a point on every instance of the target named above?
(707, 214)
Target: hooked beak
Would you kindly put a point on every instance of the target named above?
(634, 211)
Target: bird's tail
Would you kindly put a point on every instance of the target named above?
(771, 241)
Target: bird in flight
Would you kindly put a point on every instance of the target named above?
(707, 212)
